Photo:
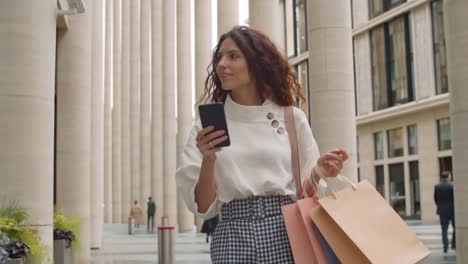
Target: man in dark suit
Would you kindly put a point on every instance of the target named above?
(150, 212)
(443, 197)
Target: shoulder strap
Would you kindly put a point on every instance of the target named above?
(291, 128)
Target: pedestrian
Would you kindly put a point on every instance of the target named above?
(209, 226)
(443, 197)
(137, 214)
(248, 181)
(150, 212)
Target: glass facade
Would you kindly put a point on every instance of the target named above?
(412, 139)
(296, 27)
(440, 56)
(415, 195)
(397, 188)
(302, 70)
(395, 142)
(378, 7)
(392, 63)
(296, 44)
(380, 180)
(378, 145)
(443, 132)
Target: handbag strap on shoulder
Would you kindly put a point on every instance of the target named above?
(291, 129)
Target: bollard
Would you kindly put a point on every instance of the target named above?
(131, 225)
(166, 239)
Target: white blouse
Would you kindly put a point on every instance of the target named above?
(258, 162)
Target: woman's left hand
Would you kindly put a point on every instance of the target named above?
(331, 162)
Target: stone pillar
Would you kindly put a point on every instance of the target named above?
(125, 96)
(228, 15)
(117, 161)
(97, 124)
(27, 79)
(156, 108)
(73, 163)
(456, 32)
(135, 99)
(108, 114)
(184, 95)
(331, 78)
(268, 17)
(169, 115)
(203, 44)
(145, 101)
(203, 37)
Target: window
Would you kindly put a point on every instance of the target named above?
(378, 145)
(445, 164)
(443, 131)
(296, 27)
(412, 139)
(357, 148)
(379, 70)
(440, 58)
(392, 63)
(414, 189)
(395, 142)
(397, 188)
(289, 17)
(378, 7)
(380, 180)
(302, 70)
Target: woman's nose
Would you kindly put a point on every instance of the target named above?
(222, 62)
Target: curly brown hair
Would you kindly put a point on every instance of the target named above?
(270, 70)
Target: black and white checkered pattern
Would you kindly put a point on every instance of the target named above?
(252, 231)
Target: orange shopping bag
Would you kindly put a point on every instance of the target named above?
(361, 227)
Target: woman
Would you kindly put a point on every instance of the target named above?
(137, 214)
(248, 182)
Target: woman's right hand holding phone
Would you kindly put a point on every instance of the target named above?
(207, 141)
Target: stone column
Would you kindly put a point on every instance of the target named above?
(125, 96)
(108, 114)
(27, 79)
(145, 101)
(73, 147)
(156, 108)
(331, 78)
(268, 17)
(169, 117)
(456, 32)
(135, 99)
(184, 95)
(117, 161)
(203, 50)
(97, 124)
(228, 15)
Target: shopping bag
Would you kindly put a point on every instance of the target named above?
(305, 246)
(361, 227)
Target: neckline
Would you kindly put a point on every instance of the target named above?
(251, 113)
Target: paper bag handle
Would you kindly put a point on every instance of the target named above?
(320, 173)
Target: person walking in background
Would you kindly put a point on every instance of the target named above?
(150, 212)
(209, 227)
(137, 214)
(443, 197)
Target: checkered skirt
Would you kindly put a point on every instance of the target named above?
(252, 231)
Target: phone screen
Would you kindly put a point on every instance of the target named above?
(213, 115)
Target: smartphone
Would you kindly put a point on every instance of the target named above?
(213, 115)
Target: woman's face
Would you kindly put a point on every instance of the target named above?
(232, 68)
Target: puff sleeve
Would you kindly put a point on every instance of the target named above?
(188, 173)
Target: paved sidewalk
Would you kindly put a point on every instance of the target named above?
(141, 248)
